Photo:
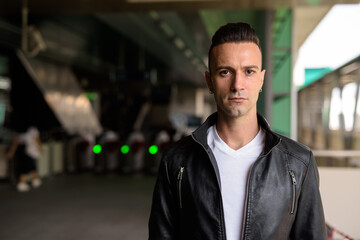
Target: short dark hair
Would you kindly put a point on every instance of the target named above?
(233, 32)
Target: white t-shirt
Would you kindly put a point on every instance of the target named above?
(234, 167)
(29, 140)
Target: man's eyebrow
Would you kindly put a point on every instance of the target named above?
(231, 68)
(252, 66)
(224, 67)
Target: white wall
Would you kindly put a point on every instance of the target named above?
(340, 192)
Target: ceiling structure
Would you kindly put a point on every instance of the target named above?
(116, 6)
(172, 37)
(178, 32)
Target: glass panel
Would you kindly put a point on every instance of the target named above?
(335, 109)
(348, 105)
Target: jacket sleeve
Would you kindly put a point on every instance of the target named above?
(163, 216)
(309, 221)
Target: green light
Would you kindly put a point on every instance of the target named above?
(91, 95)
(125, 149)
(97, 149)
(153, 149)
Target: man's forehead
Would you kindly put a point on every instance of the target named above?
(247, 50)
(240, 46)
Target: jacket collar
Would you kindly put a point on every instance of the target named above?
(271, 139)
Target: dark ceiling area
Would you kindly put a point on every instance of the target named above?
(121, 6)
(172, 35)
(135, 50)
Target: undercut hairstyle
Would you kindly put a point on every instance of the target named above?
(233, 32)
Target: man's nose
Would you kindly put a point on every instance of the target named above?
(238, 83)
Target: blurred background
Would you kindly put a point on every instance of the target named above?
(110, 84)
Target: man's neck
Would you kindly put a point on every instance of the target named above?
(237, 132)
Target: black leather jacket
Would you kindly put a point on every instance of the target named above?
(282, 198)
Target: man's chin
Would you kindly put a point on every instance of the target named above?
(233, 113)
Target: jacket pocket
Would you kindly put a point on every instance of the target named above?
(293, 199)
(179, 180)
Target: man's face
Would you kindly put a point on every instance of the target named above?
(236, 78)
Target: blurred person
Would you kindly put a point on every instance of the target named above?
(27, 145)
(234, 178)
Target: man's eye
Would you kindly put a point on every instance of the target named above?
(224, 72)
(249, 72)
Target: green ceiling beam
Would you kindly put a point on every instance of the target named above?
(282, 71)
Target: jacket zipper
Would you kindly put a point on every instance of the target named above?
(293, 191)
(179, 178)
(221, 207)
(247, 190)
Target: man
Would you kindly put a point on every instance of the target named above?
(29, 148)
(234, 178)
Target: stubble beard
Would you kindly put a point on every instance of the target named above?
(234, 110)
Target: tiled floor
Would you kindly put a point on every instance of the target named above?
(78, 207)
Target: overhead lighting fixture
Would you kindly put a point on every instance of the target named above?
(188, 53)
(154, 15)
(179, 43)
(167, 29)
(176, 40)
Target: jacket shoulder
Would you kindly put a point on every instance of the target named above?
(180, 146)
(179, 150)
(295, 149)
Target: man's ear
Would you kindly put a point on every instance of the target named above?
(208, 81)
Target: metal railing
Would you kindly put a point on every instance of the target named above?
(332, 231)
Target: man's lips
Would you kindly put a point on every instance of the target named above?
(237, 99)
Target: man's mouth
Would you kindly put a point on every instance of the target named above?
(237, 99)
